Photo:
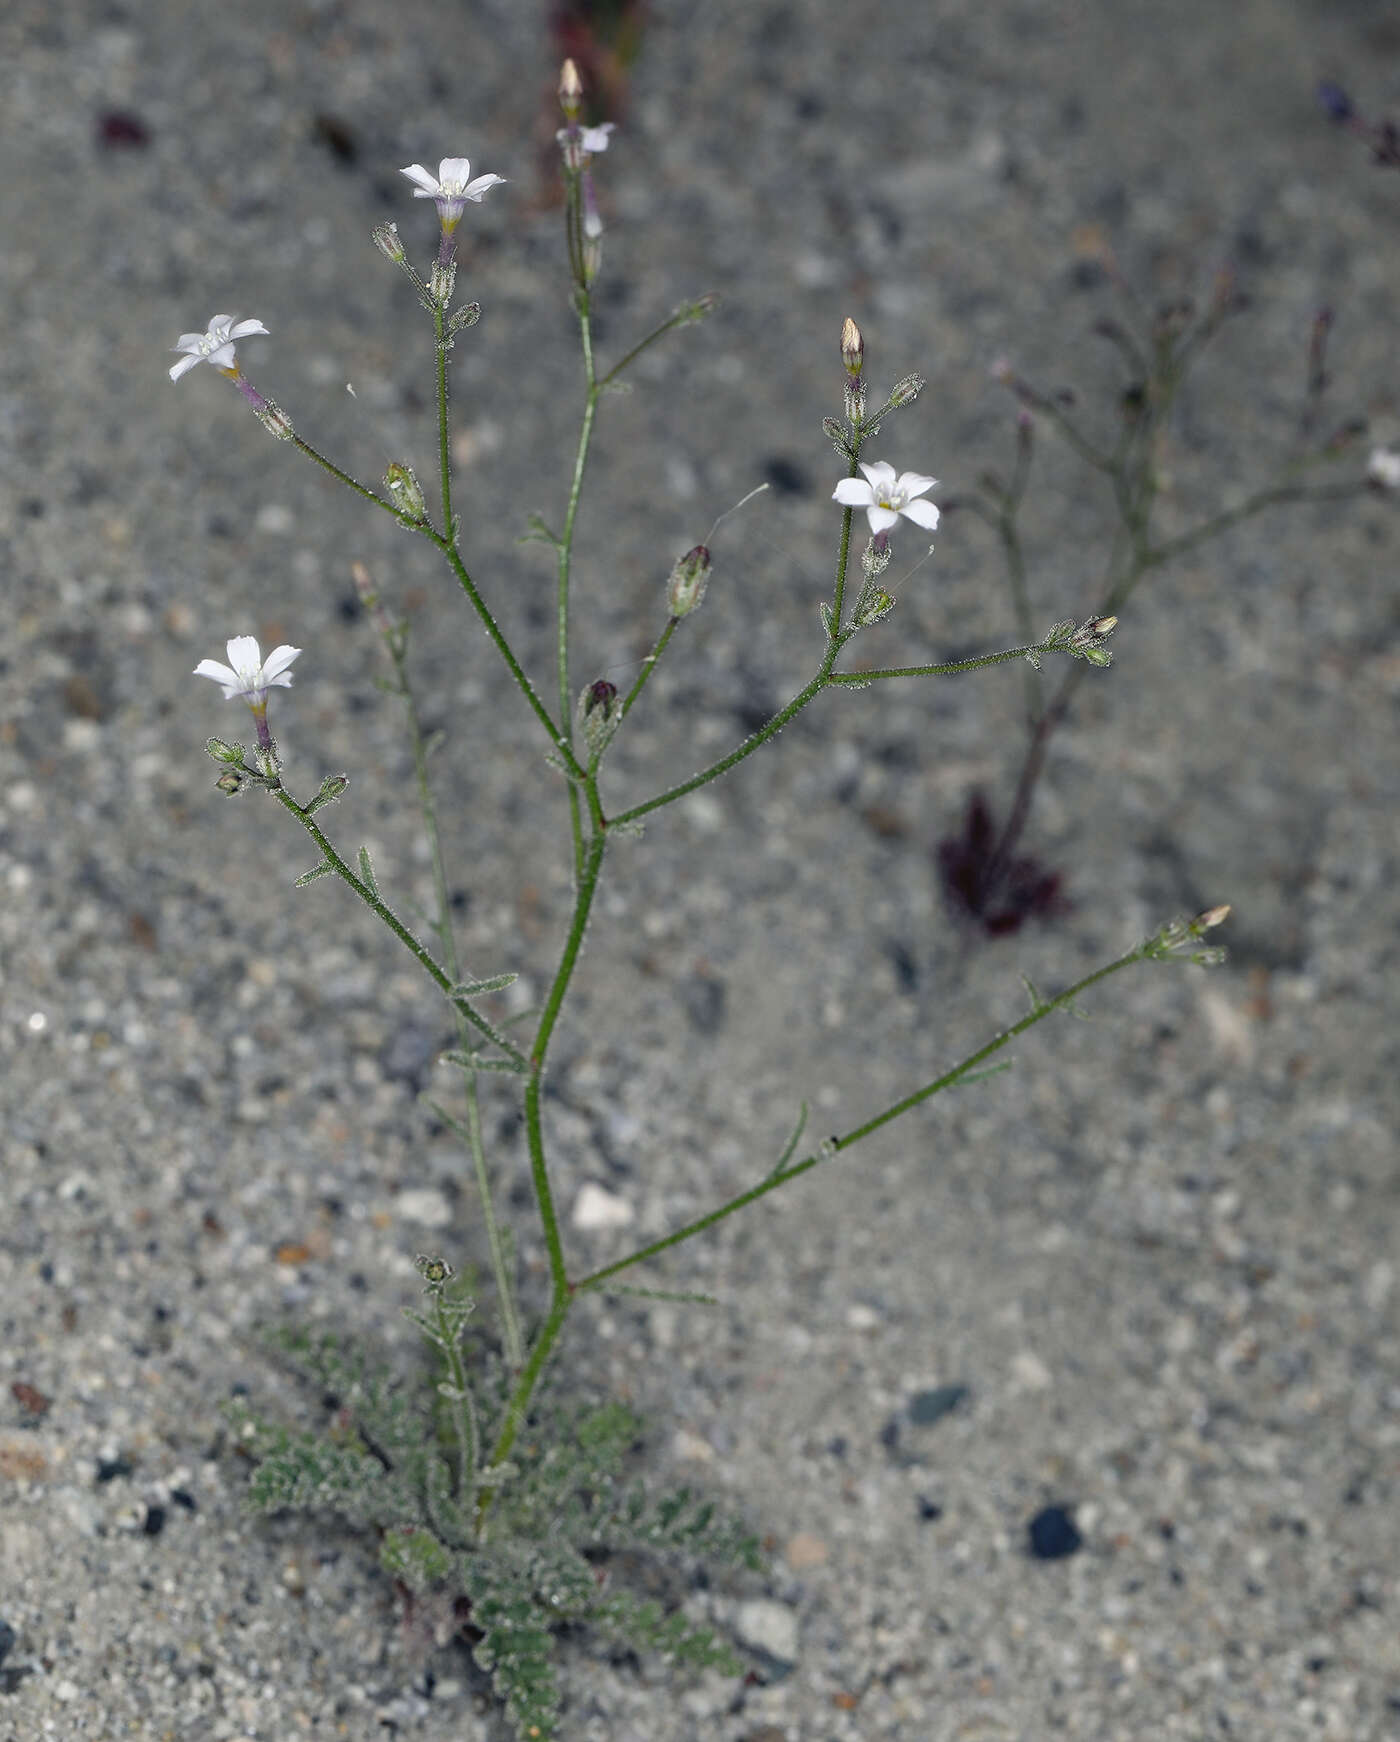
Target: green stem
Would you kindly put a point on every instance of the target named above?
(747, 748)
(350, 483)
(511, 1335)
(565, 568)
(834, 1145)
(503, 647)
(376, 905)
(444, 447)
(680, 319)
(947, 669)
(649, 665)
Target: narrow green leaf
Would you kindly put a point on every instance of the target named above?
(315, 872)
(479, 988)
(367, 874)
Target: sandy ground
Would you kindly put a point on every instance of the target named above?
(1160, 1254)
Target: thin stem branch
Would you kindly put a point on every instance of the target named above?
(835, 1145)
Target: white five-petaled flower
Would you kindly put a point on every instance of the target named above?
(450, 187)
(215, 346)
(247, 673)
(884, 497)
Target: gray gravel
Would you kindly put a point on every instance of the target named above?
(1160, 1254)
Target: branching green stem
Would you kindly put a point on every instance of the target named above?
(833, 1146)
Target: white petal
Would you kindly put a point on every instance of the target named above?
(275, 665)
(881, 476)
(221, 322)
(881, 519)
(244, 654)
(427, 183)
(922, 514)
(914, 483)
(596, 138)
(182, 367)
(243, 328)
(454, 172)
(219, 673)
(223, 357)
(483, 184)
(188, 342)
(853, 493)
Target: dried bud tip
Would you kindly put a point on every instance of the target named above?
(852, 347)
(570, 89)
(1213, 916)
(905, 392)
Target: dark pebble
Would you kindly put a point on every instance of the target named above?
(1054, 1534)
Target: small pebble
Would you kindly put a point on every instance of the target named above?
(596, 1208)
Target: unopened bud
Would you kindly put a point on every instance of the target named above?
(222, 751)
(905, 392)
(874, 604)
(386, 240)
(441, 281)
(275, 421)
(1213, 916)
(685, 590)
(852, 347)
(333, 787)
(699, 310)
(230, 783)
(466, 316)
(570, 90)
(599, 714)
(854, 405)
(1087, 642)
(407, 493)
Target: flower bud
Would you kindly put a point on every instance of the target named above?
(441, 281)
(222, 751)
(570, 90)
(854, 406)
(1213, 916)
(466, 316)
(386, 240)
(852, 347)
(905, 392)
(599, 714)
(275, 421)
(230, 783)
(333, 787)
(1087, 642)
(685, 590)
(874, 603)
(407, 493)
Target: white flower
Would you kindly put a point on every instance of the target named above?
(215, 346)
(885, 497)
(580, 143)
(450, 187)
(1383, 468)
(247, 673)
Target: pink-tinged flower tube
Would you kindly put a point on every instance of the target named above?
(215, 346)
(884, 497)
(247, 673)
(450, 188)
